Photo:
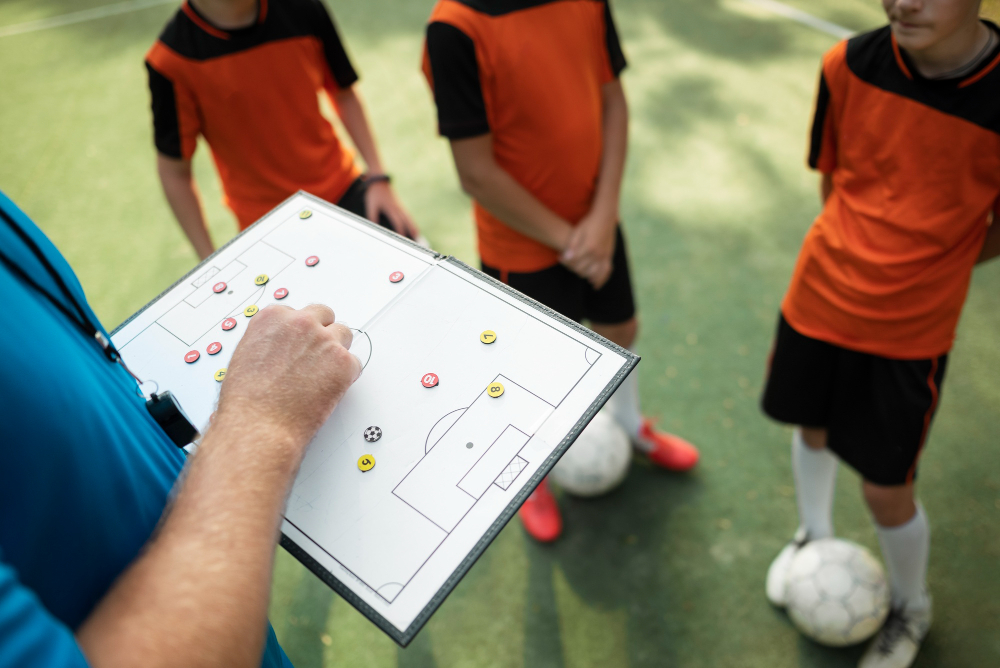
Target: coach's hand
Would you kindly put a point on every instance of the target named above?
(380, 199)
(197, 593)
(288, 373)
(591, 248)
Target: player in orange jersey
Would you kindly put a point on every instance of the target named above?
(907, 138)
(527, 91)
(247, 75)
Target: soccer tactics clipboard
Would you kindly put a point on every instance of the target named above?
(470, 394)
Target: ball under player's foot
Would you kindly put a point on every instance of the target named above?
(665, 450)
(897, 644)
(540, 514)
(776, 586)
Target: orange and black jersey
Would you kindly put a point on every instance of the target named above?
(530, 72)
(915, 167)
(253, 94)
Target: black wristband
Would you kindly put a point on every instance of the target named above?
(377, 178)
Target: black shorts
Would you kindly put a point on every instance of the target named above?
(354, 201)
(561, 290)
(877, 411)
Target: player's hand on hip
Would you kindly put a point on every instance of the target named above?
(289, 372)
(380, 199)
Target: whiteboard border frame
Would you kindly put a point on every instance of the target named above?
(403, 638)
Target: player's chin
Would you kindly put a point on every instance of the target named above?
(912, 37)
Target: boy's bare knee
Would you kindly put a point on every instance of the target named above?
(622, 333)
(814, 437)
(891, 506)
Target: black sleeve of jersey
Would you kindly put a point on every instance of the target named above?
(457, 90)
(615, 54)
(336, 57)
(166, 126)
(819, 122)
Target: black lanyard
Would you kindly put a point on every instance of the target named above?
(162, 406)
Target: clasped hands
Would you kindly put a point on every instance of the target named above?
(590, 248)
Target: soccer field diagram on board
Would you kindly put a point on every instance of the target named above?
(469, 394)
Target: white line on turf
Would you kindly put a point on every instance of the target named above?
(781, 9)
(81, 16)
(773, 6)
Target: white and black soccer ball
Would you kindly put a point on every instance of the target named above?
(372, 434)
(598, 461)
(837, 592)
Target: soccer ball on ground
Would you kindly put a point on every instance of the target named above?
(837, 592)
(598, 461)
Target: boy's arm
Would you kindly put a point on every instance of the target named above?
(380, 197)
(452, 68)
(825, 187)
(991, 247)
(182, 195)
(497, 191)
(592, 243)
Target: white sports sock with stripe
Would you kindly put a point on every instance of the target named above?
(624, 405)
(815, 479)
(906, 550)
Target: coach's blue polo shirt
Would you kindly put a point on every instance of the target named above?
(85, 472)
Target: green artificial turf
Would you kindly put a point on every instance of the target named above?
(667, 570)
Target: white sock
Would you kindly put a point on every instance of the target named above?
(815, 477)
(906, 549)
(624, 405)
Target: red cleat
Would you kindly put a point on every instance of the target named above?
(666, 450)
(540, 514)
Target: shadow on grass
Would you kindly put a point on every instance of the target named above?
(703, 25)
(418, 654)
(610, 555)
(708, 27)
(301, 637)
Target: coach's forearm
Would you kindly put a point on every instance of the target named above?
(198, 595)
(496, 190)
(185, 201)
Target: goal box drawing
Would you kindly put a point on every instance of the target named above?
(453, 462)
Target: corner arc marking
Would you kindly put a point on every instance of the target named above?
(390, 590)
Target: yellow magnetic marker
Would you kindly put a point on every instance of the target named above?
(489, 336)
(251, 311)
(305, 214)
(220, 375)
(366, 462)
(262, 279)
(495, 389)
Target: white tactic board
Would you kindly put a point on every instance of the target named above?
(452, 463)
